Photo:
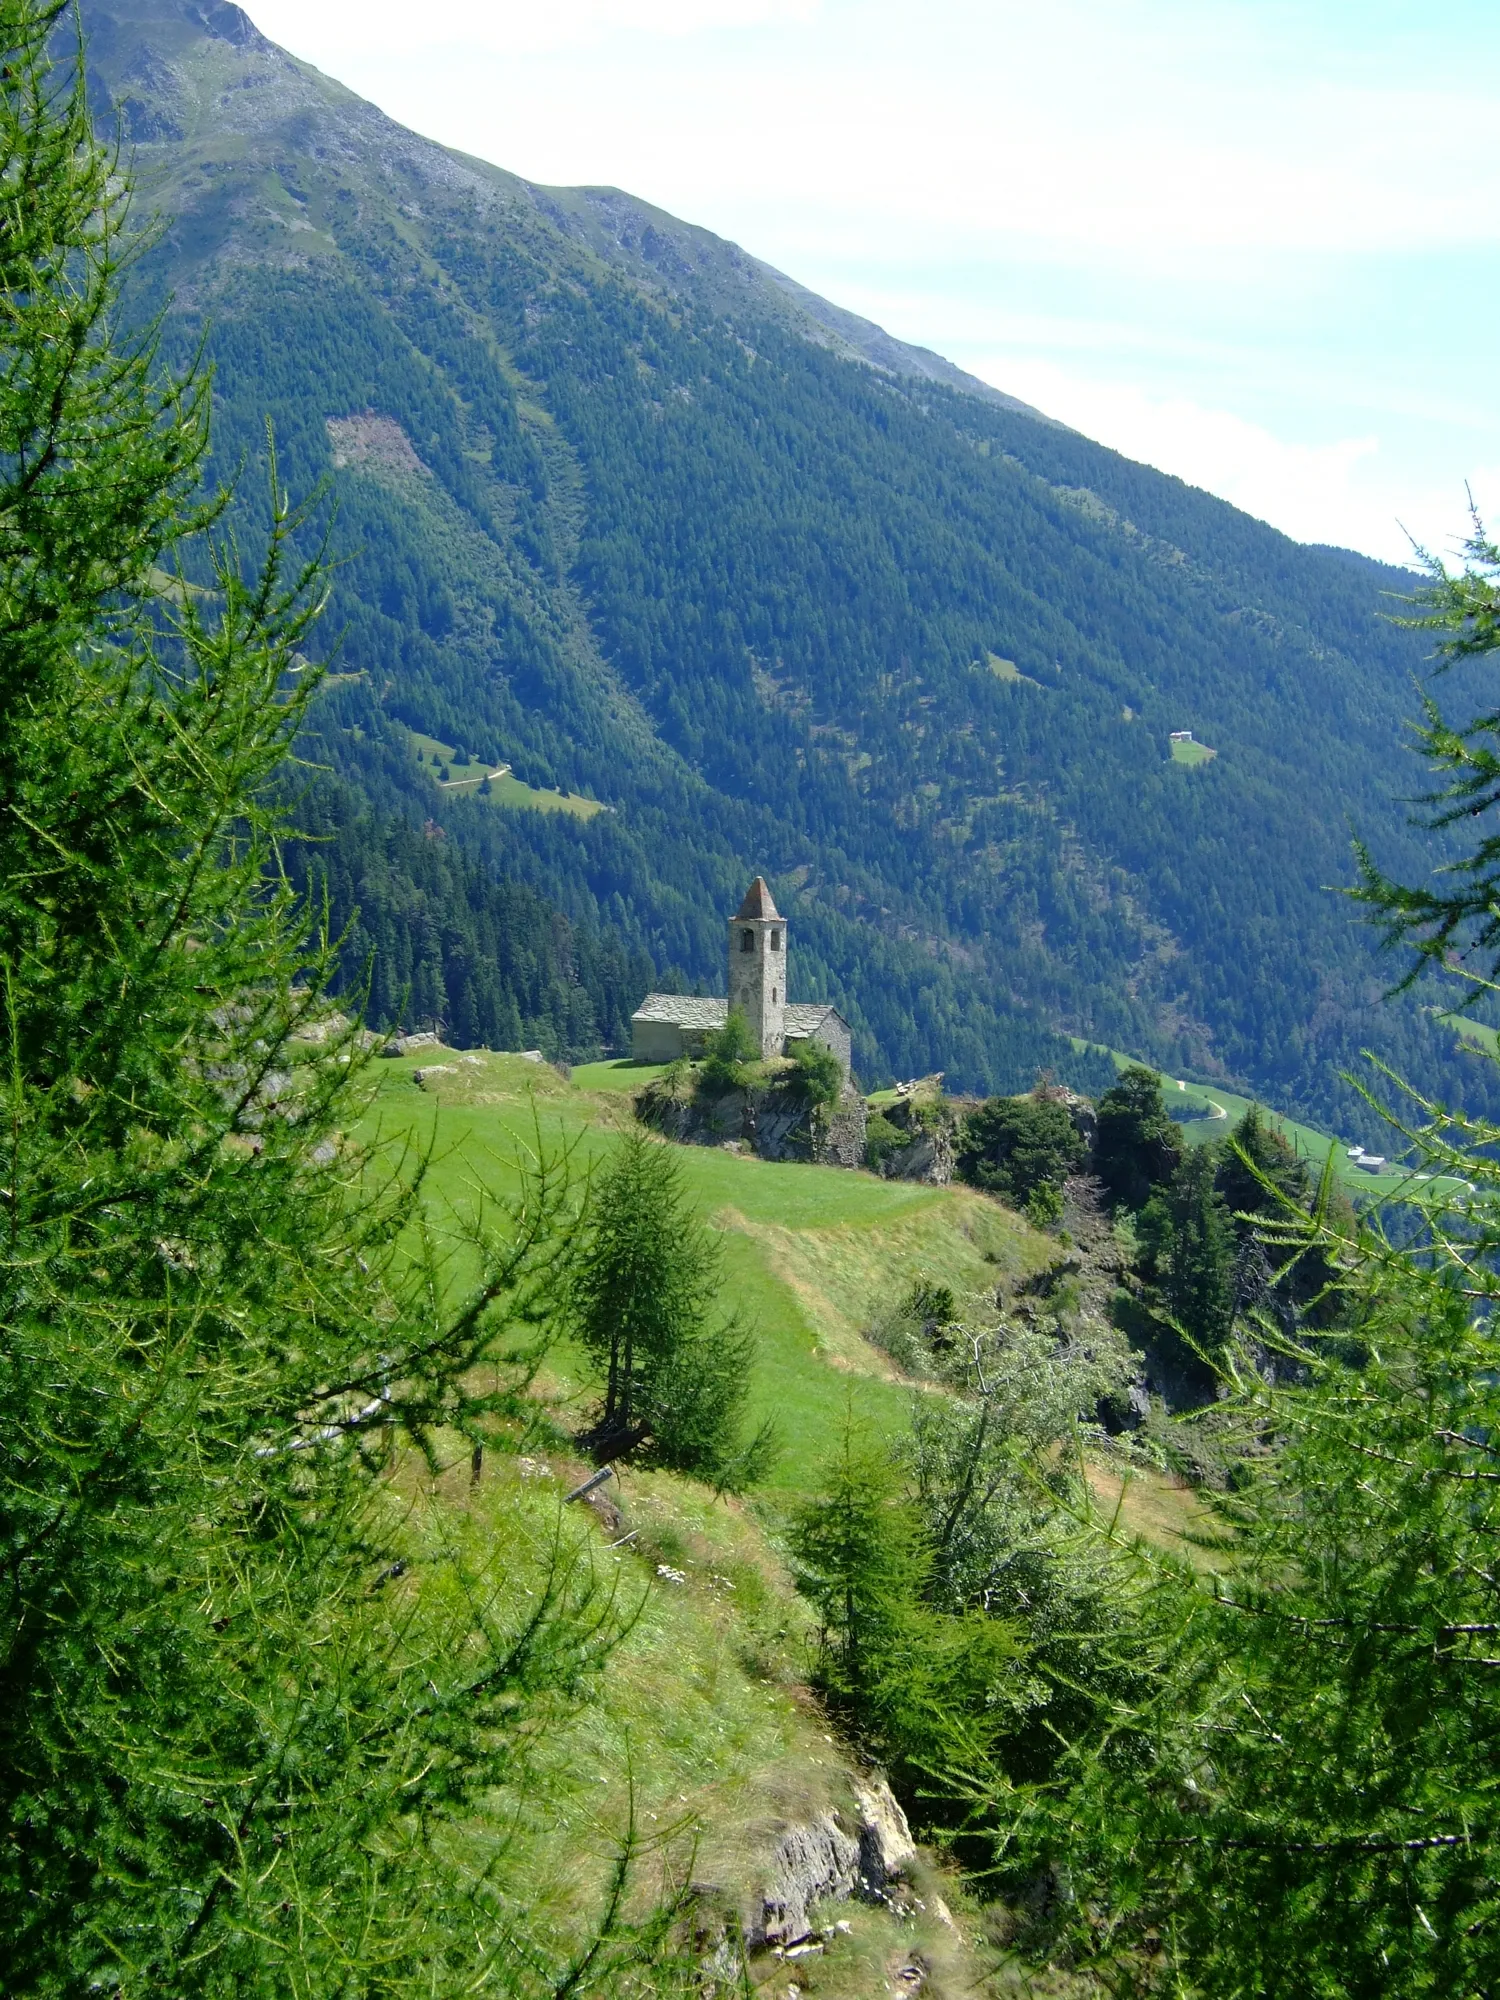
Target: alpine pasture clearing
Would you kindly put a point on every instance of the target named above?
(506, 789)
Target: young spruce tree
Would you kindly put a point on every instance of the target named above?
(644, 1291)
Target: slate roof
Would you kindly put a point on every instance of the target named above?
(758, 902)
(804, 1016)
(683, 1010)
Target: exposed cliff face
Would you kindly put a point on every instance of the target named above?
(772, 1119)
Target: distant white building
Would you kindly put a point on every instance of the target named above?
(668, 1025)
(1181, 736)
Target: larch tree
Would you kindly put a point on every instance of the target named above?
(251, 1696)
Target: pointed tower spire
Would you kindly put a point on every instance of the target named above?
(758, 902)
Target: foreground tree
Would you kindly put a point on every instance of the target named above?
(252, 1690)
(1306, 1802)
(924, 1689)
(1454, 917)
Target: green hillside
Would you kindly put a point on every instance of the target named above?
(626, 511)
(705, 1729)
(399, 1601)
(812, 1253)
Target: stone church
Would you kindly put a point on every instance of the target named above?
(668, 1025)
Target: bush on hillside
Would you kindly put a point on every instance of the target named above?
(817, 1075)
(883, 1140)
(1013, 1146)
(727, 1055)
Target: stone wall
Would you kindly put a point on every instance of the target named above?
(655, 1041)
(839, 1135)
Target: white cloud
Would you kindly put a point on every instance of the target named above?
(1145, 126)
(506, 29)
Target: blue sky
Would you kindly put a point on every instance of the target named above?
(1255, 244)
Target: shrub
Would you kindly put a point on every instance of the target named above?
(1043, 1207)
(727, 1054)
(931, 1304)
(883, 1140)
(1011, 1146)
(817, 1075)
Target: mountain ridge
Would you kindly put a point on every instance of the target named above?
(653, 245)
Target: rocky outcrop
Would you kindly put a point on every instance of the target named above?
(886, 1848)
(773, 1120)
(839, 1134)
(928, 1122)
(405, 1045)
(865, 1853)
(813, 1863)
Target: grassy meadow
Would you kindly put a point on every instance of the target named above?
(506, 789)
(810, 1253)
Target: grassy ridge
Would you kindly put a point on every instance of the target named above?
(809, 1252)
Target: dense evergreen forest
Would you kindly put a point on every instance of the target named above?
(433, 938)
(914, 653)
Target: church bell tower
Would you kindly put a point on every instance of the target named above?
(757, 968)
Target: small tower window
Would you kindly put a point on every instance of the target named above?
(773, 997)
(747, 940)
(776, 940)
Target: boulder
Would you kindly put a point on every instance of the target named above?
(405, 1045)
(886, 1848)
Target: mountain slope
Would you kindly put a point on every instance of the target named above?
(648, 521)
